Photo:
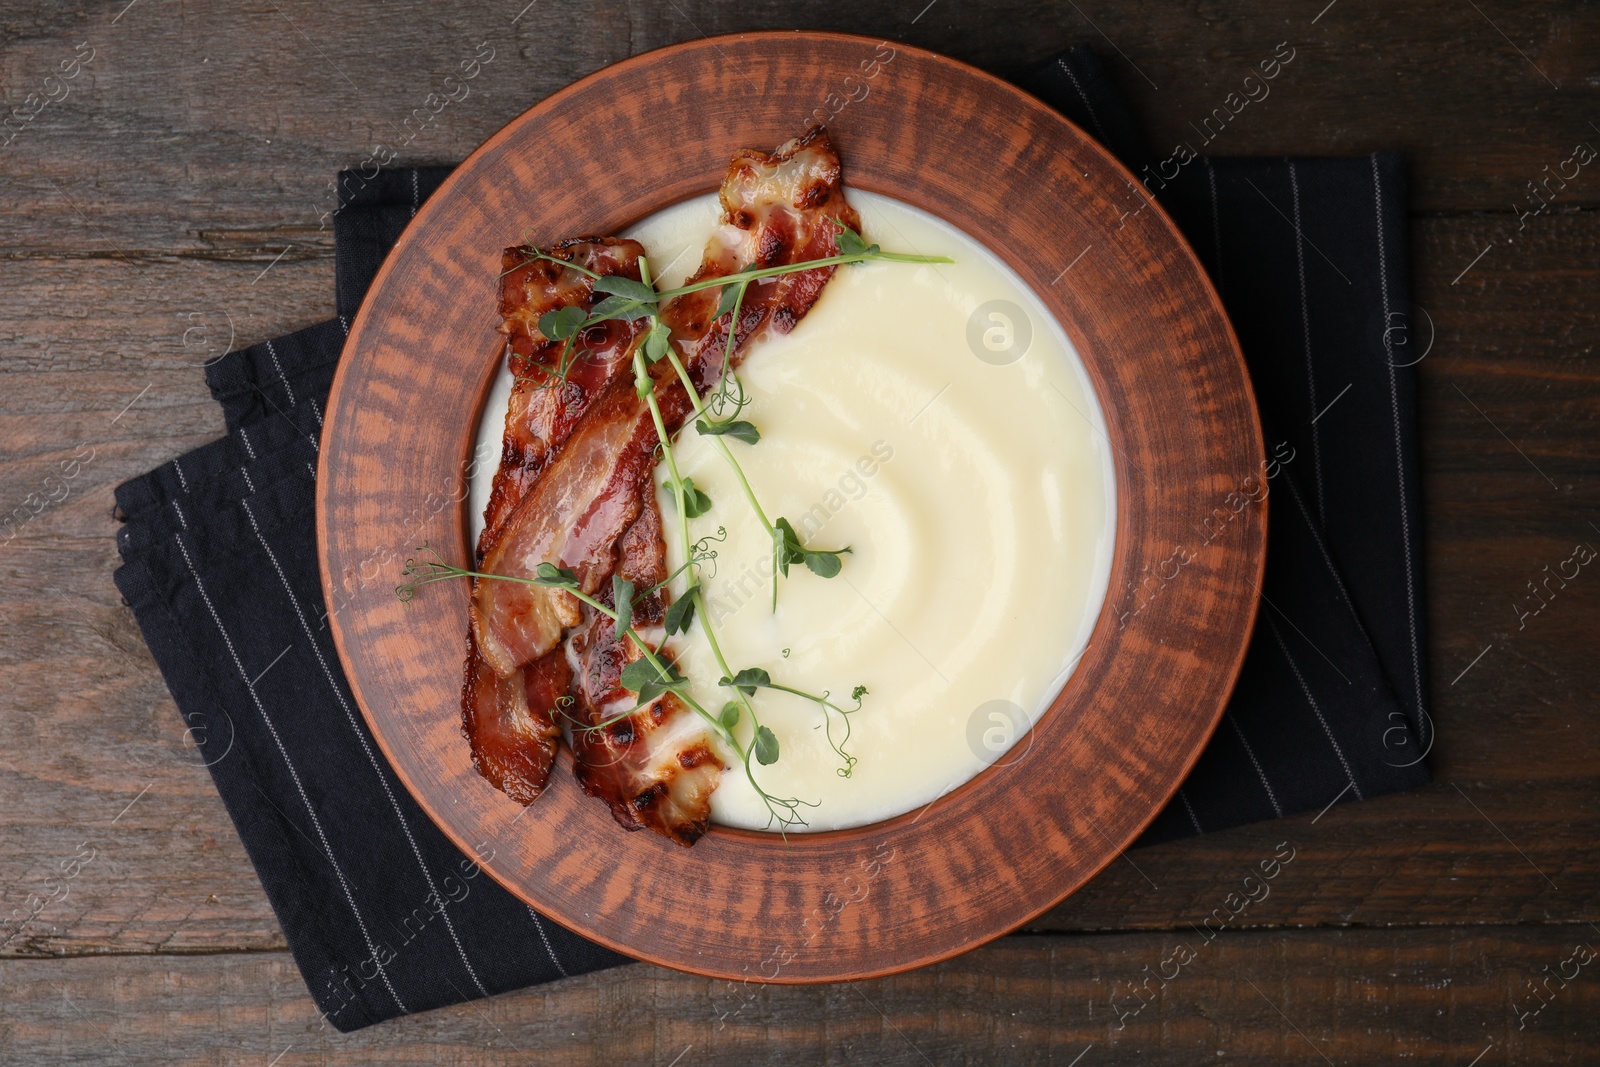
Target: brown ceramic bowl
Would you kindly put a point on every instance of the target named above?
(997, 851)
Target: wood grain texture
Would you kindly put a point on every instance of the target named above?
(167, 159)
(252, 121)
(1116, 742)
(1344, 997)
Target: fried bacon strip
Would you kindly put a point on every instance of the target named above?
(510, 724)
(508, 717)
(573, 517)
(654, 768)
(587, 502)
(544, 408)
(777, 208)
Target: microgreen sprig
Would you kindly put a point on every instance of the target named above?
(535, 253)
(862, 253)
(750, 679)
(764, 743)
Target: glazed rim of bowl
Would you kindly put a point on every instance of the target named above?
(1149, 329)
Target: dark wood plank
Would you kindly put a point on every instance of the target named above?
(1458, 852)
(170, 875)
(216, 131)
(1345, 997)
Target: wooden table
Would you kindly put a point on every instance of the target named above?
(184, 182)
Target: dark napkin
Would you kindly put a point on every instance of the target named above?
(385, 916)
(1309, 256)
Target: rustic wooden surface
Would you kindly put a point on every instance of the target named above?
(197, 147)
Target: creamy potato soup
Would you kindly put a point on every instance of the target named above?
(935, 419)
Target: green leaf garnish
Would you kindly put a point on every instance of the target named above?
(551, 575)
(825, 564)
(766, 746)
(656, 341)
(788, 546)
(730, 715)
(622, 597)
(748, 680)
(619, 307)
(787, 549)
(562, 323)
(681, 612)
(851, 243)
(695, 501)
(621, 285)
(744, 431)
(730, 297)
(644, 678)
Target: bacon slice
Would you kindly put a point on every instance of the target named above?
(510, 721)
(573, 517)
(654, 768)
(543, 408)
(509, 717)
(777, 208)
(587, 503)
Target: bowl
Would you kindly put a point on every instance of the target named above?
(992, 854)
